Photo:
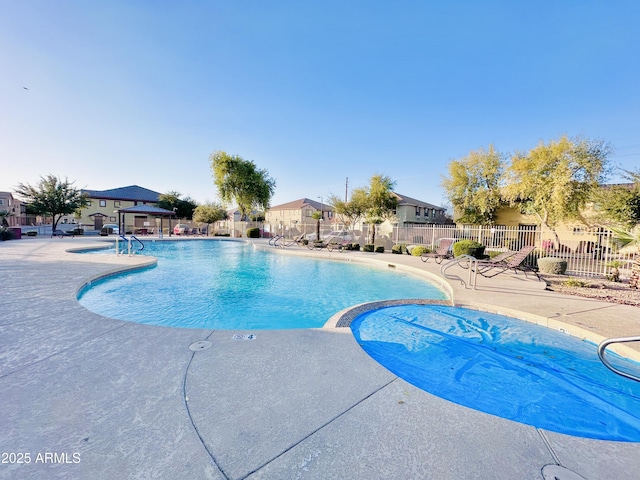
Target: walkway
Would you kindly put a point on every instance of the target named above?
(89, 397)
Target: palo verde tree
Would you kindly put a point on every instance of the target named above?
(184, 207)
(209, 213)
(52, 197)
(473, 185)
(241, 181)
(555, 180)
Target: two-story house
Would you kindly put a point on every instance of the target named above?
(104, 205)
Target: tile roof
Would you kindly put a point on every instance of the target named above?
(131, 193)
(301, 203)
(404, 200)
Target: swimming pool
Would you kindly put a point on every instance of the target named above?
(505, 367)
(231, 285)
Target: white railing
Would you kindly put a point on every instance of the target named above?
(587, 251)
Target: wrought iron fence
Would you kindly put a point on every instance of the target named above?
(588, 252)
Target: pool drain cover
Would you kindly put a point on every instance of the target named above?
(201, 345)
(556, 472)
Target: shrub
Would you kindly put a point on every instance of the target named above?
(253, 232)
(574, 282)
(468, 247)
(369, 247)
(6, 235)
(355, 247)
(551, 265)
(32, 233)
(397, 249)
(380, 249)
(419, 250)
(220, 234)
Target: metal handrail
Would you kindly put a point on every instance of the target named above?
(456, 261)
(601, 350)
(137, 240)
(274, 240)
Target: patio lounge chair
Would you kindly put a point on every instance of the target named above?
(515, 262)
(442, 252)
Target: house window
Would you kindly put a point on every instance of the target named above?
(116, 203)
(103, 203)
(308, 212)
(112, 219)
(417, 211)
(1, 201)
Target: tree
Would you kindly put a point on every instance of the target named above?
(382, 202)
(53, 197)
(184, 207)
(352, 211)
(621, 203)
(209, 213)
(317, 216)
(554, 181)
(240, 180)
(473, 185)
(630, 238)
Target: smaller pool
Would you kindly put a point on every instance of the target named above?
(505, 367)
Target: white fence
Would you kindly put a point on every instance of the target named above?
(588, 251)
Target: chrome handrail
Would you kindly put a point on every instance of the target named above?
(472, 269)
(601, 350)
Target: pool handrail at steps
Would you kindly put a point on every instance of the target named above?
(601, 354)
(129, 240)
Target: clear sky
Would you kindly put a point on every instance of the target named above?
(120, 92)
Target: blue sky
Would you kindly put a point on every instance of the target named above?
(141, 92)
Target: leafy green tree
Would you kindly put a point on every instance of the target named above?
(630, 238)
(352, 211)
(555, 180)
(184, 207)
(317, 216)
(382, 202)
(53, 197)
(473, 185)
(621, 203)
(240, 180)
(209, 213)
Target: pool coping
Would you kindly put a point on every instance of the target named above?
(342, 319)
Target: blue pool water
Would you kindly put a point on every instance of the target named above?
(230, 285)
(505, 367)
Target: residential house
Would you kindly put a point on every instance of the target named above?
(104, 207)
(297, 216)
(13, 206)
(416, 212)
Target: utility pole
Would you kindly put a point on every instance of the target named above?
(346, 190)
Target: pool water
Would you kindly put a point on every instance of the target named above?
(505, 367)
(231, 285)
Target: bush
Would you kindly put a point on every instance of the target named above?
(219, 234)
(380, 249)
(354, 246)
(468, 247)
(419, 250)
(6, 235)
(253, 232)
(369, 247)
(32, 233)
(555, 266)
(397, 249)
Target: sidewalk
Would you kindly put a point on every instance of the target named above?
(101, 398)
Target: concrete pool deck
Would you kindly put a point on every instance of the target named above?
(84, 396)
